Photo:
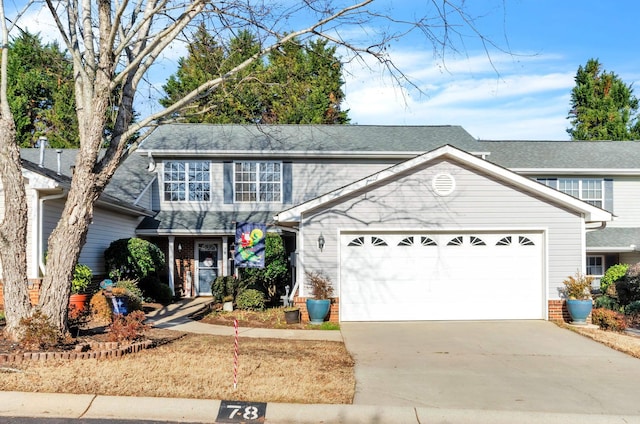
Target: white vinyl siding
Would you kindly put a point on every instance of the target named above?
(107, 226)
(626, 199)
(477, 203)
(315, 178)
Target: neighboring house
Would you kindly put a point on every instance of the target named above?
(409, 223)
(47, 180)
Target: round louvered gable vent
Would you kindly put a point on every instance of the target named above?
(443, 184)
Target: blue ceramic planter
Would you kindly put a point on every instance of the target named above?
(579, 310)
(318, 310)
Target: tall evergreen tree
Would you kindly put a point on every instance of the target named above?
(295, 84)
(40, 92)
(603, 107)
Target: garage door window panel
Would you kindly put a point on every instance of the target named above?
(427, 241)
(505, 241)
(407, 241)
(356, 242)
(525, 241)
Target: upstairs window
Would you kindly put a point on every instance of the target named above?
(591, 190)
(187, 181)
(258, 182)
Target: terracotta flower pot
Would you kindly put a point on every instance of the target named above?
(79, 302)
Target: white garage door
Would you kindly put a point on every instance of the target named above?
(465, 276)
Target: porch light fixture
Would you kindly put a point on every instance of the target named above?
(321, 242)
(179, 247)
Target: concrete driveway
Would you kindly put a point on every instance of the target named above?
(512, 365)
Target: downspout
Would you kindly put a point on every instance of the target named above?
(41, 265)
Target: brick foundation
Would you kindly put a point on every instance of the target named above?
(334, 311)
(34, 291)
(558, 311)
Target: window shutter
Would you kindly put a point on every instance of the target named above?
(228, 182)
(287, 182)
(608, 195)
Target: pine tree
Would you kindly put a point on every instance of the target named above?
(295, 84)
(40, 92)
(603, 107)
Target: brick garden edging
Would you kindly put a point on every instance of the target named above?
(102, 350)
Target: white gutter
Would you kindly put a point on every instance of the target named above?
(41, 265)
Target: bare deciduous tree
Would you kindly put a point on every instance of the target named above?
(113, 45)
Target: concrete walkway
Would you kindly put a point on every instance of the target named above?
(175, 316)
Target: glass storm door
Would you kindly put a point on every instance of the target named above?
(207, 266)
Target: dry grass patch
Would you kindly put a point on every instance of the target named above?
(198, 366)
(267, 318)
(622, 342)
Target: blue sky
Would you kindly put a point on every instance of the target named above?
(527, 95)
(524, 95)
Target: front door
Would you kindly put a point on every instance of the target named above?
(208, 267)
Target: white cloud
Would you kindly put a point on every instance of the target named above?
(522, 101)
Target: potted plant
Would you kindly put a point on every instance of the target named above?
(577, 290)
(291, 314)
(321, 290)
(79, 298)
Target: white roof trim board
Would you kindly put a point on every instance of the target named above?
(590, 213)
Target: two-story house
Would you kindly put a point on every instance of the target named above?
(409, 223)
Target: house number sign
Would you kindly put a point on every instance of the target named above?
(232, 411)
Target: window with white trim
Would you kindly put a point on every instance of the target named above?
(595, 265)
(257, 181)
(187, 181)
(591, 190)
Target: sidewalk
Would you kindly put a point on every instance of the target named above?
(43, 405)
(176, 316)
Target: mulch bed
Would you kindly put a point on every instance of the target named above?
(92, 339)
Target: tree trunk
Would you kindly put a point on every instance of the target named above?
(13, 232)
(64, 246)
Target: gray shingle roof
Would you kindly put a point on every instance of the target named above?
(563, 154)
(204, 138)
(126, 185)
(214, 139)
(613, 237)
(206, 221)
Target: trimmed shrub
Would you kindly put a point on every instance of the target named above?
(606, 302)
(100, 308)
(127, 328)
(611, 275)
(133, 259)
(632, 308)
(628, 287)
(251, 299)
(154, 290)
(608, 320)
(160, 293)
(38, 333)
(223, 287)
